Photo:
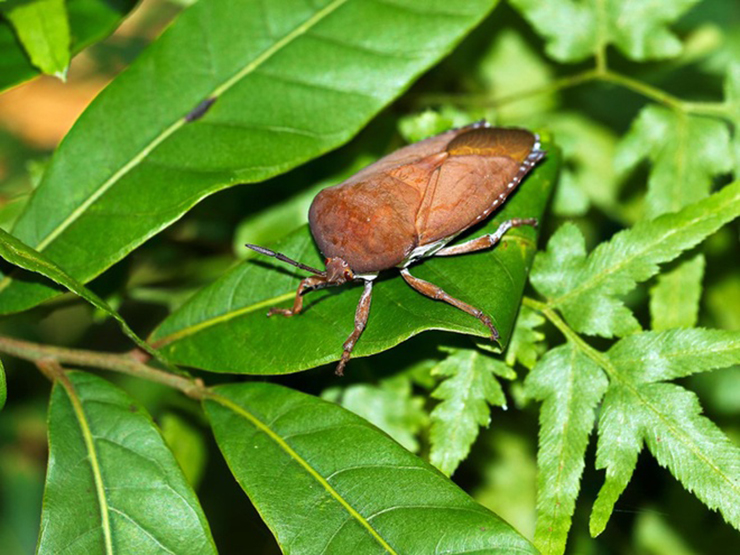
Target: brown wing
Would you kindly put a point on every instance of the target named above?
(484, 166)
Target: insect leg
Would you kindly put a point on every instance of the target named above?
(487, 241)
(437, 293)
(307, 284)
(361, 315)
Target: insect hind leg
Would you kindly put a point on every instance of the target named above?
(487, 241)
(437, 293)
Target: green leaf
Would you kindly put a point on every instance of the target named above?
(3, 386)
(588, 175)
(327, 481)
(390, 405)
(686, 153)
(112, 486)
(509, 67)
(526, 345)
(570, 386)
(223, 97)
(470, 387)
(212, 328)
(89, 21)
(575, 30)
(732, 100)
(187, 444)
(674, 300)
(19, 254)
(42, 28)
(667, 355)
(585, 288)
(667, 418)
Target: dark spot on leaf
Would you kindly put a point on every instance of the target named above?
(200, 110)
(133, 408)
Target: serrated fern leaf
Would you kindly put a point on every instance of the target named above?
(674, 300)
(570, 386)
(526, 343)
(585, 289)
(668, 419)
(652, 356)
(466, 394)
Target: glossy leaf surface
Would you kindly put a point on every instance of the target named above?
(231, 93)
(112, 484)
(327, 481)
(89, 22)
(224, 328)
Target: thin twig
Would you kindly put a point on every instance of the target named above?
(48, 357)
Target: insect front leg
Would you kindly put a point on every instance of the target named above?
(487, 241)
(306, 285)
(361, 315)
(437, 293)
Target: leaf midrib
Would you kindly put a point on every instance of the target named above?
(162, 136)
(594, 280)
(257, 423)
(94, 463)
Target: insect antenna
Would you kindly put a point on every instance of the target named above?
(283, 258)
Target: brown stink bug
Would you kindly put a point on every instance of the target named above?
(409, 205)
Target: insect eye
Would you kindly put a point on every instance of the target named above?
(347, 275)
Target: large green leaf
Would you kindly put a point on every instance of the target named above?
(112, 485)
(224, 329)
(326, 481)
(89, 22)
(284, 81)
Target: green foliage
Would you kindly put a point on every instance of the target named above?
(154, 169)
(89, 21)
(570, 385)
(369, 496)
(390, 405)
(42, 27)
(584, 287)
(208, 331)
(674, 300)
(686, 153)
(3, 386)
(466, 393)
(644, 176)
(578, 30)
(106, 454)
(639, 408)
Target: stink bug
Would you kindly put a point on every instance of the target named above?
(408, 206)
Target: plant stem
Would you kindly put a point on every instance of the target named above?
(44, 355)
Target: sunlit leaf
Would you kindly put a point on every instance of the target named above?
(89, 22)
(42, 27)
(212, 330)
(466, 397)
(526, 345)
(327, 481)
(686, 153)
(570, 386)
(390, 405)
(674, 300)
(21, 255)
(112, 486)
(586, 289)
(227, 95)
(576, 30)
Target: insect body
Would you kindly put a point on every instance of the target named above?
(408, 206)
